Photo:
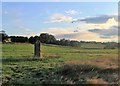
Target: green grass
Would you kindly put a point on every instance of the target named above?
(92, 46)
(17, 50)
(19, 67)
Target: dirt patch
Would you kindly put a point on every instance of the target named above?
(97, 81)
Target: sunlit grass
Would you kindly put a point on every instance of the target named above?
(19, 67)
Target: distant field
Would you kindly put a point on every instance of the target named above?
(88, 64)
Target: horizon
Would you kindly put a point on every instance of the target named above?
(86, 21)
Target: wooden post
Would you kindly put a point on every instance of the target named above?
(37, 49)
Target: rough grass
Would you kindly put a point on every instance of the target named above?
(59, 65)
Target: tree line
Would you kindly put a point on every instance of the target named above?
(50, 39)
(44, 38)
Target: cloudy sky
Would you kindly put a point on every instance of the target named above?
(87, 21)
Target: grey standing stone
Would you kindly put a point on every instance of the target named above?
(37, 49)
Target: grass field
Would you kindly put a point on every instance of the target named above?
(88, 64)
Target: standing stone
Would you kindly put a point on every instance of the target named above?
(37, 49)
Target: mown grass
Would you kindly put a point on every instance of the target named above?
(58, 65)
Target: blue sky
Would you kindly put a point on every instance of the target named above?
(75, 20)
(60, 0)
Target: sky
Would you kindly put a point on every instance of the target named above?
(60, 0)
(86, 21)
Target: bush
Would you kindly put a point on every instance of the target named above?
(109, 47)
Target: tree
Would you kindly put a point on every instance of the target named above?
(65, 42)
(36, 38)
(20, 39)
(32, 40)
(52, 39)
(74, 43)
(46, 38)
(111, 45)
(62, 41)
(3, 36)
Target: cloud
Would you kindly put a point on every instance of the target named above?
(67, 36)
(61, 18)
(106, 33)
(97, 19)
(88, 36)
(29, 34)
(14, 15)
(103, 30)
(58, 31)
(23, 28)
(72, 12)
(108, 24)
(68, 33)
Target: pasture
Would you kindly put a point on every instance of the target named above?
(88, 64)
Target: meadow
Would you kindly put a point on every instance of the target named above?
(88, 64)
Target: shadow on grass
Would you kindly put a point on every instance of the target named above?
(81, 73)
(66, 74)
(7, 60)
(28, 59)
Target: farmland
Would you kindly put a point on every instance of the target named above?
(88, 64)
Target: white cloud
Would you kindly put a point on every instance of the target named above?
(68, 33)
(89, 36)
(97, 19)
(72, 12)
(61, 18)
(58, 31)
(106, 33)
(83, 31)
(29, 34)
(109, 23)
(23, 28)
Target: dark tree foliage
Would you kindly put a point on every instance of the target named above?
(50, 39)
(111, 45)
(36, 38)
(20, 39)
(3, 36)
(65, 42)
(32, 40)
(74, 43)
(46, 38)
